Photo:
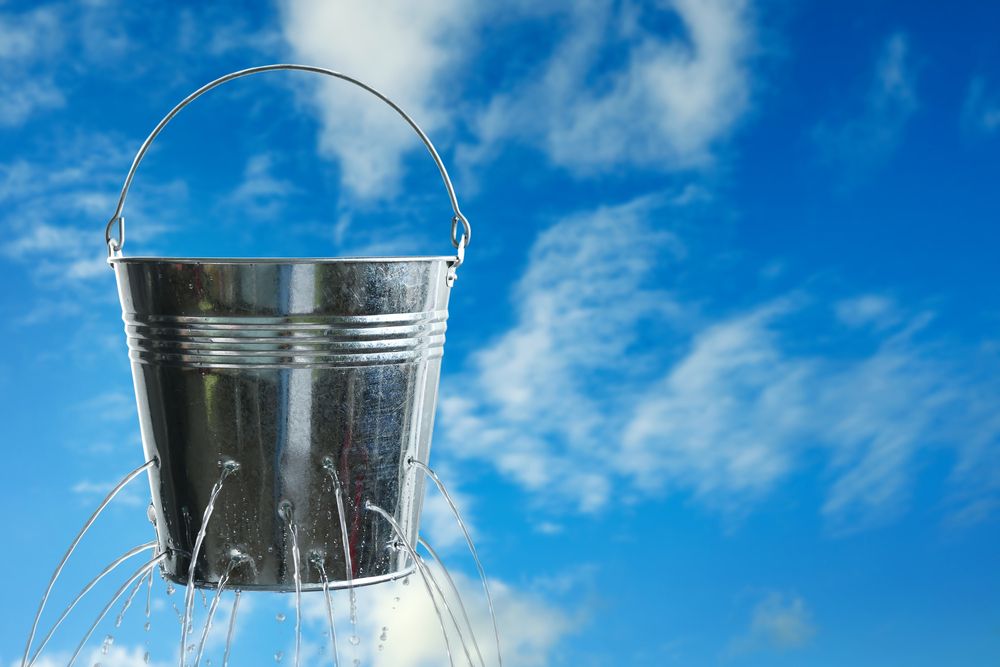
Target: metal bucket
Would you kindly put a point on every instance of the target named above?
(273, 374)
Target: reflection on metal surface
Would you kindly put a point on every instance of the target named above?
(279, 366)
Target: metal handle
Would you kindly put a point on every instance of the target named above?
(115, 245)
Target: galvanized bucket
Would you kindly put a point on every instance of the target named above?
(279, 375)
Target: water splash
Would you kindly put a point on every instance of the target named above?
(451, 583)
(129, 598)
(316, 559)
(232, 627)
(285, 511)
(423, 575)
(228, 467)
(72, 547)
(121, 591)
(86, 589)
(472, 547)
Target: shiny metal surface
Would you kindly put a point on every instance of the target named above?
(277, 365)
(460, 241)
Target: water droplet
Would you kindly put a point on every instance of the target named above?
(106, 644)
(380, 647)
(385, 633)
(406, 581)
(145, 657)
(170, 588)
(190, 648)
(147, 626)
(355, 640)
(151, 514)
(279, 617)
(278, 655)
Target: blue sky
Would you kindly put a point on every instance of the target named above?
(721, 382)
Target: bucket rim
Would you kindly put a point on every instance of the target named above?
(279, 260)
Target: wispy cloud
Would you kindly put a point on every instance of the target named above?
(665, 104)
(26, 38)
(536, 402)
(261, 194)
(981, 110)
(864, 137)
(778, 622)
(593, 396)
(55, 208)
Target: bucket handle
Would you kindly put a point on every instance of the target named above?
(115, 245)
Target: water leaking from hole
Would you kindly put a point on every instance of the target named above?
(228, 467)
(72, 547)
(316, 560)
(458, 596)
(420, 568)
(472, 547)
(338, 493)
(285, 511)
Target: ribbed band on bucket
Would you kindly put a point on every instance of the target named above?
(286, 342)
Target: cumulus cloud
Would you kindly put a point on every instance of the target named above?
(403, 49)
(665, 104)
(572, 403)
(398, 626)
(614, 90)
(863, 138)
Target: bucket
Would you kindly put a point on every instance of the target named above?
(261, 381)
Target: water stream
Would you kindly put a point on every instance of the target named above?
(121, 591)
(472, 548)
(458, 596)
(86, 589)
(422, 570)
(72, 547)
(144, 576)
(228, 467)
(330, 467)
(232, 627)
(454, 621)
(285, 511)
(317, 562)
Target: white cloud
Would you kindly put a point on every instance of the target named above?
(866, 310)
(538, 400)
(865, 138)
(116, 656)
(24, 39)
(55, 209)
(530, 627)
(260, 195)
(981, 110)
(19, 100)
(778, 622)
(605, 387)
(666, 105)
(404, 50)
